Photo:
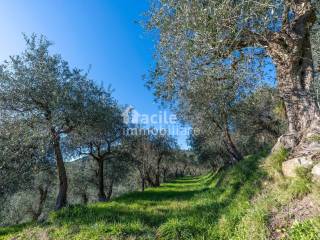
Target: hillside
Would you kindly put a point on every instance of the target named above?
(241, 202)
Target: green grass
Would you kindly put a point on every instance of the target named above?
(307, 230)
(273, 163)
(205, 207)
(226, 205)
(302, 184)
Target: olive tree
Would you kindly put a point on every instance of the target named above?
(148, 149)
(140, 151)
(210, 149)
(260, 120)
(26, 170)
(198, 36)
(213, 112)
(100, 134)
(118, 169)
(16, 157)
(41, 87)
(163, 145)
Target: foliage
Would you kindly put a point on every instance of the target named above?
(210, 65)
(314, 138)
(100, 134)
(148, 152)
(255, 126)
(220, 50)
(40, 89)
(259, 120)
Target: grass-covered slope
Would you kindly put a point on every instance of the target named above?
(232, 204)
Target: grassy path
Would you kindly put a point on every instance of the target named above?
(206, 207)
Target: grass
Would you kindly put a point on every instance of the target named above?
(278, 192)
(273, 163)
(307, 230)
(302, 184)
(205, 207)
(232, 204)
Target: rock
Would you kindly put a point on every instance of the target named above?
(287, 141)
(315, 147)
(316, 172)
(289, 167)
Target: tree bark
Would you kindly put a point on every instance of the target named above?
(176, 173)
(142, 176)
(231, 147)
(84, 198)
(43, 192)
(110, 190)
(158, 172)
(164, 175)
(63, 180)
(292, 54)
(142, 184)
(151, 182)
(101, 195)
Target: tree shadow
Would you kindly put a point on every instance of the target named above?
(13, 229)
(206, 200)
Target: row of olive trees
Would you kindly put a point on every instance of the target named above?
(57, 105)
(53, 119)
(221, 50)
(256, 122)
(149, 152)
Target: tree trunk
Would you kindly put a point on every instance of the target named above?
(213, 166)
(158, 173)
(142, 184)
(110, 190)
(231, 147)
(84, 198)
(63, 180)
(295, 79)
(292, 55)
(43, 192)
(150, 181)
(164, 175)
(176, 175)
(101, 195)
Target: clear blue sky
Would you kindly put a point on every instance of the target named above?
(101, 33)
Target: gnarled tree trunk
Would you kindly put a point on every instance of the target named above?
(63, 180)
(292, 54)
(101, 194)
(231, 147)
(43, 193)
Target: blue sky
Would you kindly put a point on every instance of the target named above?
(100, 33)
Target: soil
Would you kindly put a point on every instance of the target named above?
(296, 211)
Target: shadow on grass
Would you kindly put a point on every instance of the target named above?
(229, 183)
(122, 209)
(14, 229)
(202, 200)
(161, 195)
